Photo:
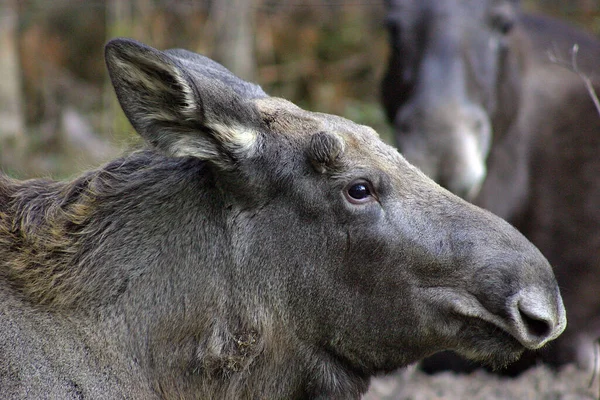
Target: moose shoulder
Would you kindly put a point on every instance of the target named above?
(252, 250)
(481, 103)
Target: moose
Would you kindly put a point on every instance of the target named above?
(250, 249)
(484, 99)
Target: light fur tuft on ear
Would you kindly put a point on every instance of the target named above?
(236, 139)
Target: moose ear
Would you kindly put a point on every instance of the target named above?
(182, 103)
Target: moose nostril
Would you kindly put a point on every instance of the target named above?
(537, 315)
(534, 325)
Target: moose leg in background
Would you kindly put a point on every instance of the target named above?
(479, 105)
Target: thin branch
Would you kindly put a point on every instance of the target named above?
(575, 68)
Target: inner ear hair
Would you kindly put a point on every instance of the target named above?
(324, 149)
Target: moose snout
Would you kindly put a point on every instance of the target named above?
(449, 142)
(536, 317)
(522, 298)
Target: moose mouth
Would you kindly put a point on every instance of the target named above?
(497, 338)
(483, 341)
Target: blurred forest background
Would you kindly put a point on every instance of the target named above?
(58, 113)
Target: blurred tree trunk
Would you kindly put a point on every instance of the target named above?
(234, 36)
(11, 112)
(10, 95)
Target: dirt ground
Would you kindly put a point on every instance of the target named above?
(539, 383)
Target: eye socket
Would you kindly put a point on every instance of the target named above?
(359, 192)
(502, 20)
(505, 26)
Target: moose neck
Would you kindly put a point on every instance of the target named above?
(508, 161)
(215, 322)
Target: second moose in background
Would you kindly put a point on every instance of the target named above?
(479, 102)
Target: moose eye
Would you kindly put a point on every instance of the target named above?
(359, 192)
